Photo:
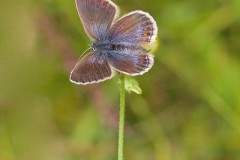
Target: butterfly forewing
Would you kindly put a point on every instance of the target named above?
(135, 27)
(96, 16)
(92, 68)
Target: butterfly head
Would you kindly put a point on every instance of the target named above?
(93, 46)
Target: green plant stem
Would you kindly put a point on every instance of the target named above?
(121, 118)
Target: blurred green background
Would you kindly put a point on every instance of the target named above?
(189, 109)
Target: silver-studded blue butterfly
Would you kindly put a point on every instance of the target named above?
(116, 44)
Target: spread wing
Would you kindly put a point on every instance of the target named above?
(130, 62)
(135, 27)
(96, 16)
(92, 68)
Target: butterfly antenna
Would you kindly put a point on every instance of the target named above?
(83, 54)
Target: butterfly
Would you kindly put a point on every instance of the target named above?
(117, 45)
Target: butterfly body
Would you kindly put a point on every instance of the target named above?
(107, 47)
(117, 45)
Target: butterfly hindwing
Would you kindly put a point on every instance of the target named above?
(135, 27)
(130, 63)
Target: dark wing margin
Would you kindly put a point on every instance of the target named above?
(134, 27)
(131, 63)
(96, 16)
(92, 68)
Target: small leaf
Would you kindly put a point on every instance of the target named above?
(153, 46)
(131, 85)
